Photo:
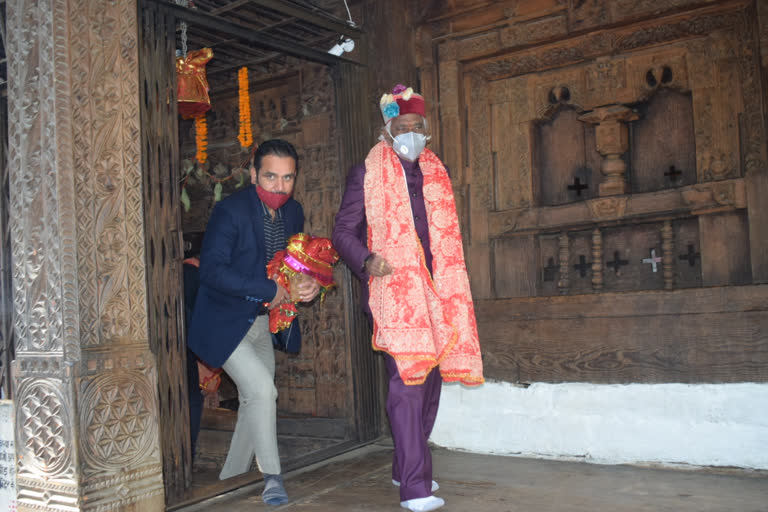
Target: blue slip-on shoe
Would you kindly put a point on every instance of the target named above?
(274, 491)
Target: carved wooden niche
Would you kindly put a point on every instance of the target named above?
(662, 149)
(549, 264)
(565, 153)
(686, 253)
(580, 262)
(566, 263)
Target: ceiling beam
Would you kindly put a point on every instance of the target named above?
(213, 69)
(228, 7)
(314, 19)
(204, 20)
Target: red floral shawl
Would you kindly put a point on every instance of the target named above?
(421, 321)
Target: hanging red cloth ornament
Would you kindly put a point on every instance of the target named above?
(191, 83)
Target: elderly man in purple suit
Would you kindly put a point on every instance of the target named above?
(383, 196)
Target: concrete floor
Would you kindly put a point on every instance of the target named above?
(360, 481)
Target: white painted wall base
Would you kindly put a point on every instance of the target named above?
(701, 425)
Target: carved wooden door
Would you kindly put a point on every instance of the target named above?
(6, 297)
(616, 210)
(160, 166)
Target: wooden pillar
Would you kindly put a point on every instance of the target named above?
(85, 383)
(612, 137)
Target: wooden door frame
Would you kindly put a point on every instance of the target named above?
(351, 84)
(161, 172)
(7, 336)
(162, 221)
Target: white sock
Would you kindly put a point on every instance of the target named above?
(423, 504)
(434, 484)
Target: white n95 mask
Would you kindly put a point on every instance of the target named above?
(409, 145)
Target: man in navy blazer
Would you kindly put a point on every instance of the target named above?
(230, 326)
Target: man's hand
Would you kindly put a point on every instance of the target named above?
(308, 289)
(378, 266)
(281, 297)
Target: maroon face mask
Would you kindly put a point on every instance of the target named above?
(274, 200)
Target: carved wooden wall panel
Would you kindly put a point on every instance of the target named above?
(725, 264)
(510, 140)
(514, 271)
(576, 252)
(46, 397)
(626, 83)
(704, 335)
(620, 148)
(85, 380)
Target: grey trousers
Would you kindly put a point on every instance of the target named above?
(252, 368)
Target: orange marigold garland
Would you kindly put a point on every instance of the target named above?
(201, 138)
(246, 136)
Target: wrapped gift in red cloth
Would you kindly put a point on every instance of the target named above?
(192, 84)
(305, 257)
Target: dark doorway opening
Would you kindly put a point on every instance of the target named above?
(329, 398)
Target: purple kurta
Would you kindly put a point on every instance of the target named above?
(350, 236)
(411, 409)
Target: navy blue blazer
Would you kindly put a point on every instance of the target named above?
(233, 277)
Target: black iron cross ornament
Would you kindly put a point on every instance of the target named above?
(578, 186)
(673, 174)
(691, 255)
(550, 270)
(582, 266)
(617, 262)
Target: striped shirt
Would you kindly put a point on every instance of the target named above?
(274, 232)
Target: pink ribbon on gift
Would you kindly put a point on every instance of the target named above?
(300, 267)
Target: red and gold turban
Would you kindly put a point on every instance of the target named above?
(305, 254)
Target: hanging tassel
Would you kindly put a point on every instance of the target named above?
(245, 136)
(201, 138)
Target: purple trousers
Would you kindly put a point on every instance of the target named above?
(412, 411)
